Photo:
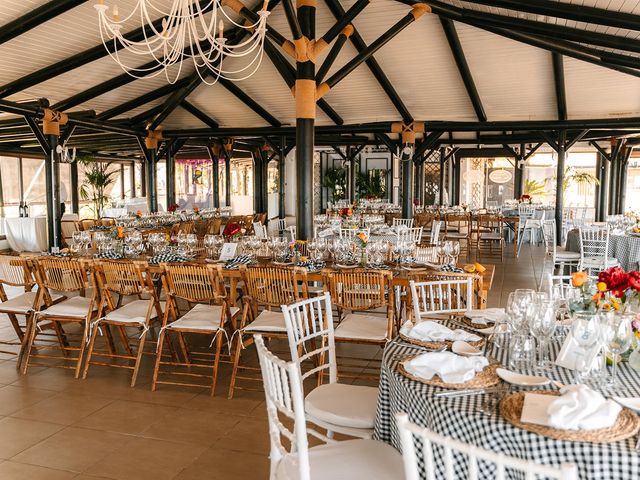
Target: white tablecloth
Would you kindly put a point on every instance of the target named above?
(27, 234)
(114, 212)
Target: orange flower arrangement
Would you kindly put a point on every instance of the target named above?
(120, 232)
(578, 279)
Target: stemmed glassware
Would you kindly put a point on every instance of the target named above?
(617, 335)
(542, 325)
(585, 330)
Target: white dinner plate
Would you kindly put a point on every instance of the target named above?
(632, 403)
(339, 265)
(520, 379)
(465, 349)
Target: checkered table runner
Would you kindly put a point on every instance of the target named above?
(460, 418)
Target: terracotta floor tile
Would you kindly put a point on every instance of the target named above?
(221, 464)
(123, 416)
(202, 427)
(250, 435)
(17, 435)
(14, 398)
(63, 408)
(144, 458)
(72, 449)
(19, 471)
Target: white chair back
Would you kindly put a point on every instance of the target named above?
(549, 234)
(526, 211)
(410, 235)
(435, 232)
(281, 223)
(407, 222)
(594, 245)
(441, 296)
(292, 232)
(351, 233)
(284, 397)
(427, 254)
(441, 455)
(310, 330)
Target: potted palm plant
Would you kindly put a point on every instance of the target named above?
(97, 177)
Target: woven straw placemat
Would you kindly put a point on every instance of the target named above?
(438, 345)
(485, 378)
(469, 323)
(627, 425)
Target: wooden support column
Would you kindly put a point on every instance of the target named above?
(143, 180)
(455, 184)
(151, 157)
(598, 186)
(122, 181)
(258, 197)
(132, 179)
(613, 176)
(518, 173)
(215, 165)
(75, 197)
(443, 162)
(406, 163)
(228, 153)
(562, 141)
(302, 23)
(419, 169)
(604, 189)
(51, 129)
(281, 177)
(624, 166)
(170, 172)
(353, 175)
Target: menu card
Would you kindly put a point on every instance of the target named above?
(228, 251)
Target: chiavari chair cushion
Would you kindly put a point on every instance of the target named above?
(72, 307)
(349, 459)
(342, 404)
(23, 304)
(268, 321)
(133, 312)
(201, 317)
(359, 326)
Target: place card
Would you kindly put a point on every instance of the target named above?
(571, 352)
(534, 408)
(228, 251)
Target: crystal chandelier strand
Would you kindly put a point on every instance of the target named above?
(188, 31)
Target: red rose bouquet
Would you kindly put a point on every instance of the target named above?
(232, 232)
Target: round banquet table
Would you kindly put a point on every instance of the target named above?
(27, 234)
(460, 418)
(625, 248)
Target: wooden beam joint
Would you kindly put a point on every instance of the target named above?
(153, 138)
(51, 121)
(408, 131)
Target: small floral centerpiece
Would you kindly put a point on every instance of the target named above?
(138, 214)
(346, 213)
(172, 208)
(525, 198)
(296, 247)
(361, 240)
(196, 211)
(232, 232)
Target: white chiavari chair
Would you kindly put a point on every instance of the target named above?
(405, 222)
(351, 233)
(259, 230)
(292, 232)
(434, 236)
(427, 255)
(559, 257)
(443, 454)
(410, 235)
(349, 459)
(595, 250)
(436, 297)
(338, 407)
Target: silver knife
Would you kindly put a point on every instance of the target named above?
(465, 393)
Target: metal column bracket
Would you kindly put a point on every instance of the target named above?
(51, 121)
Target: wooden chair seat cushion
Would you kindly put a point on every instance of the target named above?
(23, 304)
(360, 326)
(268, 321)
(71, 307)
(201, 317)
(133, 312)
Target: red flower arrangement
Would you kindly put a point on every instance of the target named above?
(231, 231)
(525, 198)
(616, 280)
(172, 208)
(346, 212)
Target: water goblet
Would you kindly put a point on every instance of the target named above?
(542, 325)
(585, 331)
(617, 335)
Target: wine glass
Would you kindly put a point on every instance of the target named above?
(617, 335)
(542, 325)
(585, 330)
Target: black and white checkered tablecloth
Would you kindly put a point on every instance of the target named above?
(460, 418)
(624, 248)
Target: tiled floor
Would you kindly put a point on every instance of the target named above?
(53, 427)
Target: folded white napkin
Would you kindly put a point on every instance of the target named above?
(581, 408)
(325, 233)
(451, 368)
(429, 331)
(485, 316)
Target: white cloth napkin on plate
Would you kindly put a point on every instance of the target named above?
(451, 368)
(429, 331)
(581, 408)
(325, 233)
(485, 316)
